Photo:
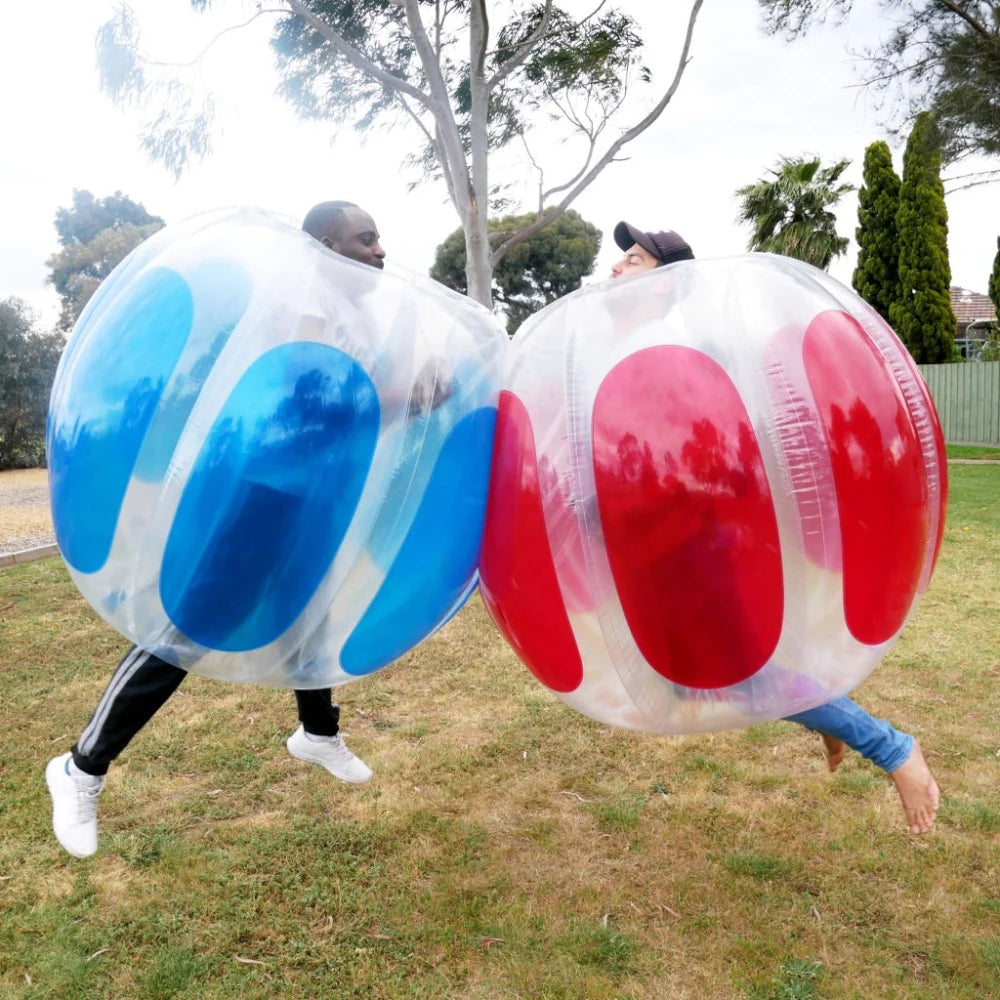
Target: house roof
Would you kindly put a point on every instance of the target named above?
(970, 306)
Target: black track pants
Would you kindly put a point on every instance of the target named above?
(140, 686)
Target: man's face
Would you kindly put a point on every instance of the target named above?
(356, 237)
(636, 259)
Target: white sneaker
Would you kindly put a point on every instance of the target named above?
(332, 753)
(74, 807)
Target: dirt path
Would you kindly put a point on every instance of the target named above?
(25, 522)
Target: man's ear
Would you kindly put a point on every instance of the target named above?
(327, 242)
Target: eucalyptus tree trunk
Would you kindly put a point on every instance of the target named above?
(478, 266)
(478, 270)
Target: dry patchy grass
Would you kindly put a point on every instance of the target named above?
(507, 847)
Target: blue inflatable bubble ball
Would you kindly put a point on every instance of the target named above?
(269, 463)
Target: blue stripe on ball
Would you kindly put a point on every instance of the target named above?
(438, 556)
(222, 290)
(109, 403)
(270, 497)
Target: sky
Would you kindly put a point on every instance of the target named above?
(745, 100)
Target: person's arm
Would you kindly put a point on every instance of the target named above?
(432, 387)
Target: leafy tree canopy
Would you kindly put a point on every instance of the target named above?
(89, 216)
(790, 213)
(78, 269)
(28, 361)
(96, 235)
(941, 55)
(588, 62)
(472, 78)
(538, 271)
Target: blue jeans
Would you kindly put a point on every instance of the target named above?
(873, 738)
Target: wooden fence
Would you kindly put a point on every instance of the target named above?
(967, 398)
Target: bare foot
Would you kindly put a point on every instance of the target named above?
(918, 791)
(835, 751)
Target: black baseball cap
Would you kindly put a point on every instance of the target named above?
(666, 246)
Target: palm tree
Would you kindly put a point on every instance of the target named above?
(791, 214)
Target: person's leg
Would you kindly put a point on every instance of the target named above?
(317, 712)
(137, 691)
(841, 722)
(318, 739)
(139, 686)
(875, 739)
(836, 751)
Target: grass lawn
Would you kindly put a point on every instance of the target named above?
(506, 847)
(974, 451)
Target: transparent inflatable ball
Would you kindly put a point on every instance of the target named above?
(267, 462)
(718, 491)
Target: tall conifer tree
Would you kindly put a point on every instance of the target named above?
(991, 349)
(922, 316)
(876, 278)
(993, 288)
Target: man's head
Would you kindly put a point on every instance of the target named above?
(644, 251)
(345, 229)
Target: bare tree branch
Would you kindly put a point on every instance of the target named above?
(523, 50)
(569, 113)
(541, 36)
(538, 170)
(609, 154)
(225, 31)
(445, 169)
(577, 175)
(982, 177)
(418, 121)
(362, 62)
(432, 141)
(961, 12)
(974, 173)
(919, 66)
(593, 134)
(478, 62)
(451, 142)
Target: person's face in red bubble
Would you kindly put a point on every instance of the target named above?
(635, 261)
